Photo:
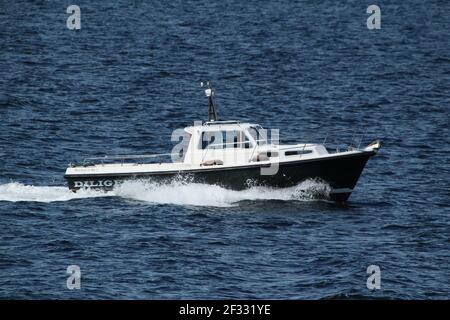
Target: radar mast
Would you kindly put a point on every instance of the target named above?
(212, 116)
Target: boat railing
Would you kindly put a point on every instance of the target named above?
(123, 158)
(330, 142)
(354, 143)
(337, 140)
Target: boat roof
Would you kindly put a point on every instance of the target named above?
(221, 126)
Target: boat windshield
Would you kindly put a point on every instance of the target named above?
(258, 134)
(224, 139)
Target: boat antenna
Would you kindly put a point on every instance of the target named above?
(212, 116)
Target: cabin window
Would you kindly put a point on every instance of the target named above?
(230, 139)
(297, 152)
(234, 139)
(211, 139)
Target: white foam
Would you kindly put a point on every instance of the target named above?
(179, 193)
(15, 192)
(212, 195)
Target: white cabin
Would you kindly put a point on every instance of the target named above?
(231, 143)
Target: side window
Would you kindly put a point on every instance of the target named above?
(235, 139)
(212, 139)
(231, 139)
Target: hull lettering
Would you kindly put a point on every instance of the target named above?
(93, 184)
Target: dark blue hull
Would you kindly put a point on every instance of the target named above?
(341, 173)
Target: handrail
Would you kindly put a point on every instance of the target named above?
(143, 156)
(123, 157)
(356, 138)
(240, 144)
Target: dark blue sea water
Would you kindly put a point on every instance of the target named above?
(131, 75)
